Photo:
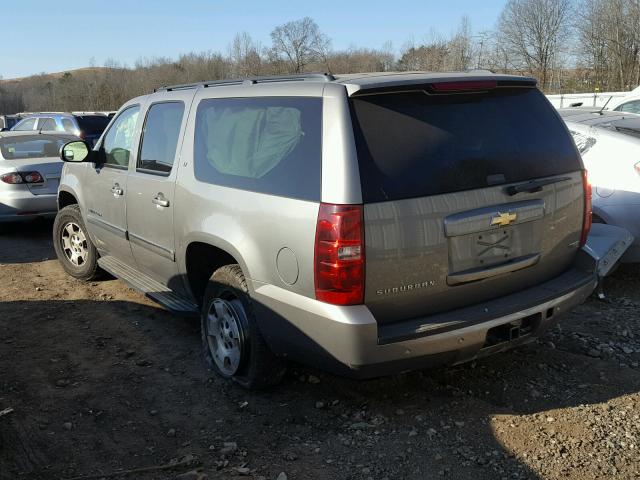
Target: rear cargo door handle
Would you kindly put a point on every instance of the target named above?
(481, 273)
(160, 200)
(116, 190)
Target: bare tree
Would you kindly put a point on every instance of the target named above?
(245, 56)
(533, 33)
(300, 43)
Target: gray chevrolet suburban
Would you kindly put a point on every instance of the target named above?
(365, 224)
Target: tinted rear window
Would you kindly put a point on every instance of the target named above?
(413, 144)
(32, 146)
(92, 124)
(267, 144)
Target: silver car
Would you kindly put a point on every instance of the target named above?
(609, 143)
(365, 224)
(86, 125)
(30, 170)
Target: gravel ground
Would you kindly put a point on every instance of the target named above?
(101, 380)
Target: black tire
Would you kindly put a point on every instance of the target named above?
(258, 367)
(88, 268)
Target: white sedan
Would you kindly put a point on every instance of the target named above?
(609, 143)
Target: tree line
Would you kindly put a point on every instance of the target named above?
(568, 45)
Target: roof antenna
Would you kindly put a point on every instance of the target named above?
(605, 105)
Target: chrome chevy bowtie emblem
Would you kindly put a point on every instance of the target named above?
(503, 219)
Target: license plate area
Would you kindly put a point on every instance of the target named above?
(476, 241)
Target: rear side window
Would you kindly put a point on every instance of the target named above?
(47, 124)
(92, 125)
(160, 137)
(268, 144)
(414, 145)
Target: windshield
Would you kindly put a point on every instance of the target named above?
(32, 146)
(413, 145)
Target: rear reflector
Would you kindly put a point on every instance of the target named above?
(339, 254)
(464, 86)
(588, 209)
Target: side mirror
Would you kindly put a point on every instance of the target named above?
(75, 152)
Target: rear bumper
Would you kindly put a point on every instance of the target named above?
(18, 205)
(348, 340)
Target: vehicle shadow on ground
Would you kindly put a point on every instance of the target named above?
(97, 386)
(25, 242)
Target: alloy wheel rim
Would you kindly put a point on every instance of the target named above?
(74, 244)
(224, 335)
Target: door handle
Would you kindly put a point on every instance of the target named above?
(160, 200)
(116, 190)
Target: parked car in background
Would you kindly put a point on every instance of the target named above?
(366, 224)
(629, 103)
(8, 121)
(86, 125)
(609, 142)
(30, 169)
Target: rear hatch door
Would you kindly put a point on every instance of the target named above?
(451, 219)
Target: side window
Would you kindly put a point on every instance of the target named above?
(118, 142)
(47, 124)
(630, 107)
(160, 137)
(268, 144)
(68, 125)
(27, 124)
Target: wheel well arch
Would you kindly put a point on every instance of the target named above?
(201, 260)
(65, 199)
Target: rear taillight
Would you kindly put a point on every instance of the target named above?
(339, 254)
(464, 86)
(11, 178)
(588, 211)
(637, 167)
(32, 177)
(21, 177)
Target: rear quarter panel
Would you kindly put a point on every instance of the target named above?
(252, 227)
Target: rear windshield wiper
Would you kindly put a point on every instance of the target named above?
(534, 185)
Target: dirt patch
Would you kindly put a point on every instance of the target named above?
(102, 380)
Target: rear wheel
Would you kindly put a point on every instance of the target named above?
(74, 248)
(232, 343)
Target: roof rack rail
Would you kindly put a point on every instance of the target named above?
(325, 77)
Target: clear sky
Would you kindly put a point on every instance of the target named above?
(52, 36)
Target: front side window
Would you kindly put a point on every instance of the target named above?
(119, 139)
(630, 107)
(160, 137)
(267, 144)
(26, 124)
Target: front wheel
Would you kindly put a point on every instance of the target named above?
(232, 343)
(75, 250)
